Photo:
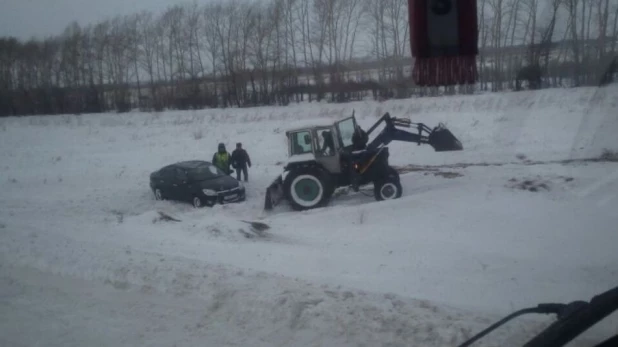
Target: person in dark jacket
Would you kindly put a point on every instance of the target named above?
(359, 143)
(359, 139)
(240, 161)
(328, 147)
(221, 159)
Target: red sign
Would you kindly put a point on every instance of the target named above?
(444, 41)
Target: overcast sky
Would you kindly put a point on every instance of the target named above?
(27, 18)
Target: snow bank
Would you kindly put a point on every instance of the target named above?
(87, 259)
(198, 226)
(226, 307)
(571, 123)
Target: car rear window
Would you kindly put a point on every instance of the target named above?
(205, 172)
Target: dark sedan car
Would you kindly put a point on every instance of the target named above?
(198, 182)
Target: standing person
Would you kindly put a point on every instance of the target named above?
(328, 148)
(240, 161)
(359, 143)
(221, 159)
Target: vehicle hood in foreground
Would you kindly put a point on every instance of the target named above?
(219, 183)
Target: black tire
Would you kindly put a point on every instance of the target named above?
(197, 202)
(316, 184)
(389, 187)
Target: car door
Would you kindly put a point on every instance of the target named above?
(180, 184)
(164, 183)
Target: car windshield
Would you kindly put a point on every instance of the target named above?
(205, 172)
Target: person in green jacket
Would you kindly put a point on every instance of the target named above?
(221, 159)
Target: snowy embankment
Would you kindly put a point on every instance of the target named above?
(85, 258)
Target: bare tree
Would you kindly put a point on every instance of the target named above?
(232, 30)
(318, 35)
(212, 44)
(572, 6)
(399, 28)
(615, 29)
(389, 32)
(146, 56)
(244, 52)
(303, 25)
(261, 55)
(514, 8)
(484, 24)
(602, 18)
(498, 9)
(9, 57)
(119, 62)
(378, 31)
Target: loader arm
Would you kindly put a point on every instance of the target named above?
(440, 138)
(388, 135)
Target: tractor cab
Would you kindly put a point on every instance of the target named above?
(322, 144)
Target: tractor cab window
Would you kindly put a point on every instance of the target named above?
(325, 142)
(346, 130)
(301, 142)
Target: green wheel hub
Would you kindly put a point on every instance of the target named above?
(307, 189)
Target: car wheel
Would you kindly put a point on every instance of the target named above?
(158, 194)
(197, 202)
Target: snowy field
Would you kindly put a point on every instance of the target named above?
(85, 259)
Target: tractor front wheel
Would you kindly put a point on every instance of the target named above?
(308, 188)
(389, 187)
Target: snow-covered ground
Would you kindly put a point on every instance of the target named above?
(86, 260)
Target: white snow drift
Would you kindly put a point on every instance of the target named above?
(86, 259)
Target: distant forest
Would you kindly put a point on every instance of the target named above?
(249, 53)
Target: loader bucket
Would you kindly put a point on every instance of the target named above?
(274, 194)
(443, 140)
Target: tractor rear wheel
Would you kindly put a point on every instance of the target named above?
(308, 188)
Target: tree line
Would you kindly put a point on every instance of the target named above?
(240, 53)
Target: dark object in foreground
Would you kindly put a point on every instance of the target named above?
(323, 158)
(198, 182)
(259, 226)
(573, 319)
(166, 217)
